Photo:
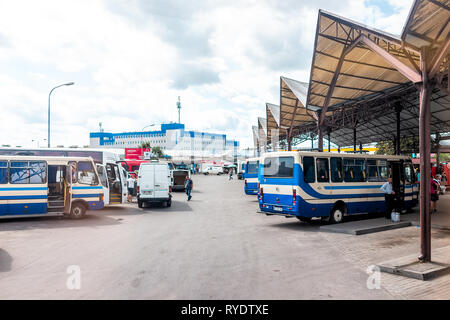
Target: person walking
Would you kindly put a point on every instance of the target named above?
(389, 197)
(434, 190)
(188, 185)
(231, 175)
(130, 183)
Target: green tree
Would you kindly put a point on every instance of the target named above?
(157, 151)
(145, 144)
(407, 146)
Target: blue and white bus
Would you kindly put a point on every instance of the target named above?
(251, 176)
(332, 185)
(46, 186)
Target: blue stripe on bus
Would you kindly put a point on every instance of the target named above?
(84, 188)
(20, 189)
(351, 187)
(23, 208)
(25, 197)
(85, 195)
(298, 180)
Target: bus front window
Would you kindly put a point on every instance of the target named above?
(86, 173)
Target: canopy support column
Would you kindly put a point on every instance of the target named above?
(354, 139)
(329, 139)
(398, 109)
(425, 161)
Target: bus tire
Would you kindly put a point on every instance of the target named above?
(78, 211)
(337, 214)
(140, 203)
(304, 219)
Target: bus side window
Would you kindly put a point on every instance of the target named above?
(348, 170)
(322, 170)
(383, 172)
(3, 172)
(336, 169)
(372, 170)
(308, 170)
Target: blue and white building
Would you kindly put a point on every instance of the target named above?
(174, 140)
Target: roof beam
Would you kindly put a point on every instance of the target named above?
(344, 52)
(409, 73)
(292, 120)
(439, 4)
(440, 54)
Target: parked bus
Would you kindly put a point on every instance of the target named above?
(251, 176)
(332, 185)
(112, 174)
(45, 186)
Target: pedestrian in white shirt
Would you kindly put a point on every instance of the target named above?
(130, 183)
(389, 197)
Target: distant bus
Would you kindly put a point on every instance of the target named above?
(250, 176)
(32, 186)
(112, 174)
(331, 185)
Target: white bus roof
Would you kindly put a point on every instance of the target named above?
(333, 154)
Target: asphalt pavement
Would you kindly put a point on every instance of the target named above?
(215, 246)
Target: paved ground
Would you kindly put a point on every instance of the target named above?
(214, 247)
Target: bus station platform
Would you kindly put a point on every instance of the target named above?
(439, 220)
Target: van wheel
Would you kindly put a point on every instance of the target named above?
(169, 203)
(77, 211)
(337, 214)
(304, 219)
(140, 203)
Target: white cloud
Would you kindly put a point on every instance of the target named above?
(132, 59)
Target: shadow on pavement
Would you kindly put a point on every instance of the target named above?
(90, 220)
(5, 261)
(177, 206)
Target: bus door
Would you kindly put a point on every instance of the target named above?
(123, 180)
(70, 172)
(398, 181)
(115, 184)
(410, 182)
(101, 170)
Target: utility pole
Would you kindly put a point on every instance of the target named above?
(179, 109)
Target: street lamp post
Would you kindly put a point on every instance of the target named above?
(48, 127)
(142, 138)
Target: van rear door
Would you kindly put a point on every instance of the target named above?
(162, 181)
(147, 181)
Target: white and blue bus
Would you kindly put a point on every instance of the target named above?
(251, 176)
(45, 186)
(112, 174)
(332, 185)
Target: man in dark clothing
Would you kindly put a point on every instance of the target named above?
(188, 184)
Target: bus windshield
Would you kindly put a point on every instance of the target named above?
(282, 167)
(252, 167)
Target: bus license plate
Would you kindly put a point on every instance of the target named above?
(277, 208)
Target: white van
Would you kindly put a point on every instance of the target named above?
(154, 183)
(213, 170)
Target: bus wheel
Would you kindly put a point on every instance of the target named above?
(304, 219)
(337, 214)
(78, 211)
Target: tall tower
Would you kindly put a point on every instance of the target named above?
(179, 109)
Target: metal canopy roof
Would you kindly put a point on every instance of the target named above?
(255, 136)
(293, 114)
(354, 81)
(262, 131)
(273, 119)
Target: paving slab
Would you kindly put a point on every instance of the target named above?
(365, 226)
(410, 267)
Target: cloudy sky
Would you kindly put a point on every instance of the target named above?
(131, 59)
